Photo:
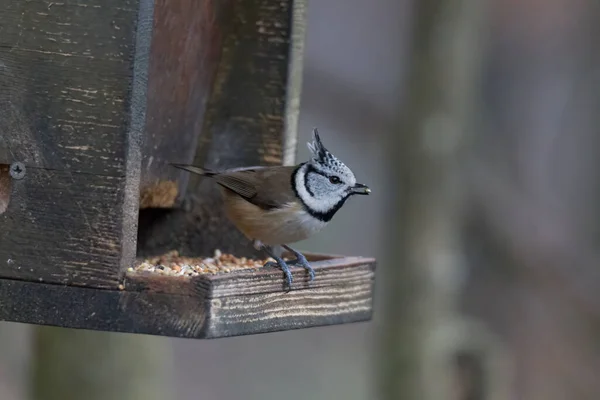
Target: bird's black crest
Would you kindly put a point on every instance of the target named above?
(316, 147)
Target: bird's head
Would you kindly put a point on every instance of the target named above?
(324, 183)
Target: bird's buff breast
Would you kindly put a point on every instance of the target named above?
(288, 224)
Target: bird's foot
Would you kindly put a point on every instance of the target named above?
(279, 263)
(301, 261)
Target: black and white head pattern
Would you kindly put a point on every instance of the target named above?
(324, 183)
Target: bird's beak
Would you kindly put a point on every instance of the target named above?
(359, 188)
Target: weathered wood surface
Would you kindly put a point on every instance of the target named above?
(202, 307)
(186, 47)
(259, 81)
(72, 102)
(244, 124)
(65, 74)
(5, 187)
(61, 227)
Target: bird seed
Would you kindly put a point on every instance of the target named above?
(172, 264)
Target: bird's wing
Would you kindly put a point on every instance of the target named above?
(265, 187)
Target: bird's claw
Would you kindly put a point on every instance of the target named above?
(301, 261)
(284, 267)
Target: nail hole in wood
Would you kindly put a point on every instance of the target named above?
(5, 187)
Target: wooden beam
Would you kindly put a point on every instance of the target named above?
(210, 306)
(60, 227)
(65, 73)
(5, 187)
(186, 48)
(72, 108)
(224, 66)
(255, 86)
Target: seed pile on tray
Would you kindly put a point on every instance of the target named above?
(173, 264)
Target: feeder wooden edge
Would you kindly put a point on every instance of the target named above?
(204, 307)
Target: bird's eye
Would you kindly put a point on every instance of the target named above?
(334, 180)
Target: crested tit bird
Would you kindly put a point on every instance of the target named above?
(285, 204)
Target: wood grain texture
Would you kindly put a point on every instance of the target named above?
(65, 80)
(72, 109)
(341, 294)
(204, 307)
(243, 125)
(294, 80)
(62, 227)
(185, 52)
(5, 187)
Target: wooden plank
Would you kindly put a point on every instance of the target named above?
(5, 187)
(65, 81)
(243, 125)
(202, 307)
(62, 227)
(258, 302)
(72, 108)
(185, 52)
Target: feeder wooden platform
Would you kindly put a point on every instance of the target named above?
(209, 306)
(96, 99)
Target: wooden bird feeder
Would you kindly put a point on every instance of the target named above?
(96, 98)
